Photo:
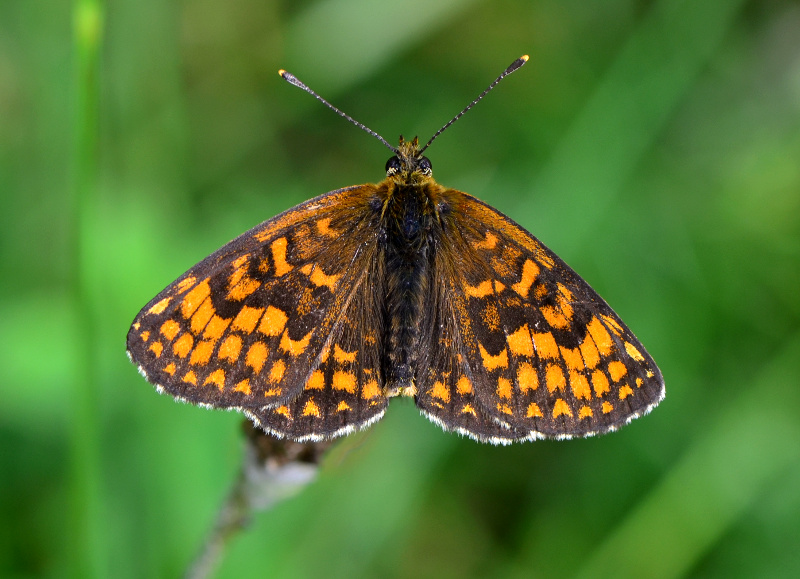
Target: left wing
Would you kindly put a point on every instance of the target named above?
(278, 322)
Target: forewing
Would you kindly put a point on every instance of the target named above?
(534, 348)
(252, 325)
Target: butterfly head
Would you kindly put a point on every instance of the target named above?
(409, 165)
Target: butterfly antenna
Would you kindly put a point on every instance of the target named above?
(292, 79)
(514, 66)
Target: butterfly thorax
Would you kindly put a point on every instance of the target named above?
(409, 224)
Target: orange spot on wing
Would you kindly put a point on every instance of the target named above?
(278, 248)
(624, 392)
(573, 358)
(607, 407)
(370, 390)
(319, 278)
(341, 356)
(216, 327)
(580, 386)
(256, 356)
(491, 362)
(190, 378)
(601, 337)
(529, 272)
(633, 352)
(504, 408)
(202, 353)
(240, 262)
(498, 287)
(533, 411)
(560, 315)
(554, 377)
(316, 381)
(247, 318)
(183, 345)
(201, 316)
(613, 324)
(488, 243)
(217, 377)
(464, 386)
(170, 329)
(585, 412)
(276, 372)
(243, 288)
(157, 348)
(324, 227)
(520, 342)
(468, 409)
(283, 411)
(170, 368)
(295, 347)
(440, 391)
(527, 378)
(591, 356)
(561, 408)
(599, 383)
(230, 348)
(479, 291)
(243, 387)
(311, 409)
(546, 346)
(273, 322)
(504, 388)
(343, 406)
(344, 381)
(617, 370)
(185, 284)
(194, 298)
(145, 336)
(160, 306)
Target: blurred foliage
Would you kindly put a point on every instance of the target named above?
(653, 144)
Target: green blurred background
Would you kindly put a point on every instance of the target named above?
(655, 146)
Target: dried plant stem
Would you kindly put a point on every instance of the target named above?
(272, 470)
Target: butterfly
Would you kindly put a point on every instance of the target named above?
(312, 321)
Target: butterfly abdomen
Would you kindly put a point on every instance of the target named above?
(407, 229)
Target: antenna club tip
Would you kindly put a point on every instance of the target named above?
(524, 58)
(281, 72)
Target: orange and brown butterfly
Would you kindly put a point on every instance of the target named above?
(312, 321)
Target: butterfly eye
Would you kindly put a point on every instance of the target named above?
(425, 166)
(393, 166)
